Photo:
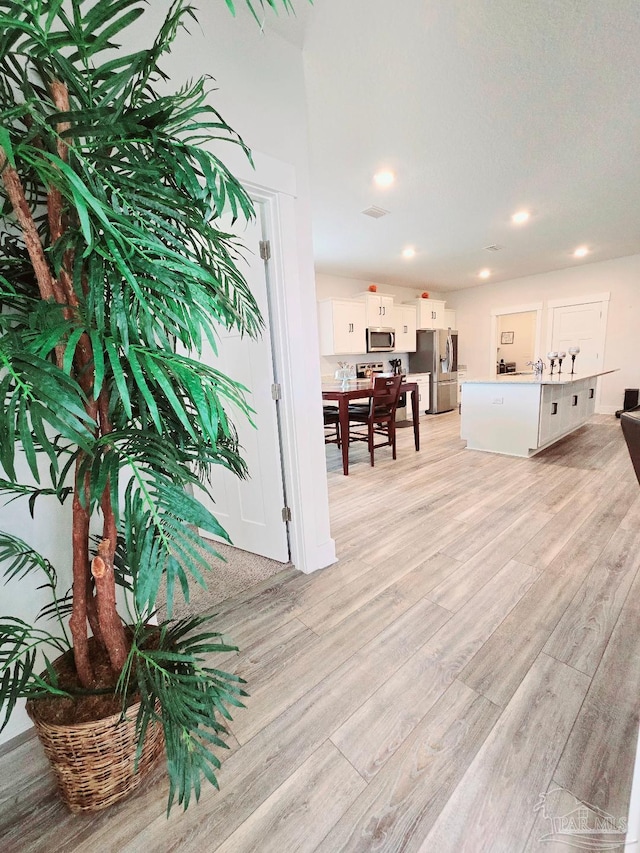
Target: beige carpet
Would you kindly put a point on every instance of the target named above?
(240, 572)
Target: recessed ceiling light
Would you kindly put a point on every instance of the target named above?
(580, 252)
(520, 217)
(484, 273)
(409, 252)
(384, 178)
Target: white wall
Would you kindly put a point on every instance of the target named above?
(261, 94)
(336, 287)
(619, 277)
(49, 535)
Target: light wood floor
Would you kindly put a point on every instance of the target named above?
(476, 646)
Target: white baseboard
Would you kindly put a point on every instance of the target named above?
(633, 821)
(17, 740)
(323, 556)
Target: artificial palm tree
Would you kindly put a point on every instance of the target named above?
(114, 270)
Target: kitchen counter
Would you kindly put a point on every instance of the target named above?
(520, 415)
(532, 379)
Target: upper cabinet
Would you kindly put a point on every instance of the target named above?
(404, 322)
(450, 318)
(379, 309)
(431, 314)
(342, 326)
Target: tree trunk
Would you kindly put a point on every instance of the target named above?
(113, 633)
(78, 621)
(111, 627)
(100, 611)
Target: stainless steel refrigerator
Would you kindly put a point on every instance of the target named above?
(437, 354)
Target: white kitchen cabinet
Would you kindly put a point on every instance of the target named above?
(430, 313)
(462, 375)
(450, 318)
(342, 327)
(553, 414)
(404, 322)
(423, 381)
(424, 397)
(379, 309)
(565, 408)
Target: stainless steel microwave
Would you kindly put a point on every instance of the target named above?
(380, 340)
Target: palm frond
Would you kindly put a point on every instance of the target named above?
(19, 647)
(159, 537)
(127, 200)
(18, 560)
(195, 700)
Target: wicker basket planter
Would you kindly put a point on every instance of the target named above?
(94, 762)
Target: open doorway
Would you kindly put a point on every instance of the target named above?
(516, 341)
(515, 338)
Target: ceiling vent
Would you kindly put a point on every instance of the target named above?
(375, 212)
(493, 248)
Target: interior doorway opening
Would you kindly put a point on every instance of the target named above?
(515, 342)
(515, 338)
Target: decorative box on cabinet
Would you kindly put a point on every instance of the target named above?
(379, 309)
(342, 327)
(430, 313)
(404, 321)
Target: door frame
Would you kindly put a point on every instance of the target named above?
(266, 429)
(273, 184)
(587, 299)
(514, 309)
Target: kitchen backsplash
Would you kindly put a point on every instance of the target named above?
(329, 364)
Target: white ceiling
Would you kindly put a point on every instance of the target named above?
(481, 108)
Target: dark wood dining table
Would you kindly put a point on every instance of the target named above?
(359, 389)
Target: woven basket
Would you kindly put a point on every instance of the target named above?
(94, 762)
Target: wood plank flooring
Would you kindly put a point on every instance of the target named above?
(468, 670)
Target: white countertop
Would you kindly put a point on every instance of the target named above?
(563, 378)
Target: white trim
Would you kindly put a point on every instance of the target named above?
(633, 818)
(14, 742)
(517, 309)
(269, 174)
(305, 483)
(578, 300)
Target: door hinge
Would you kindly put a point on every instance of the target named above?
(265, 250)
(286, 513)
(276, 391)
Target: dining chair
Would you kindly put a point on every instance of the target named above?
(379, 416)
(331, 425)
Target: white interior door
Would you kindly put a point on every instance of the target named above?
(583, 326)
(251, 510)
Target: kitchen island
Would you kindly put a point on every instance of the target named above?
(522, 414)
